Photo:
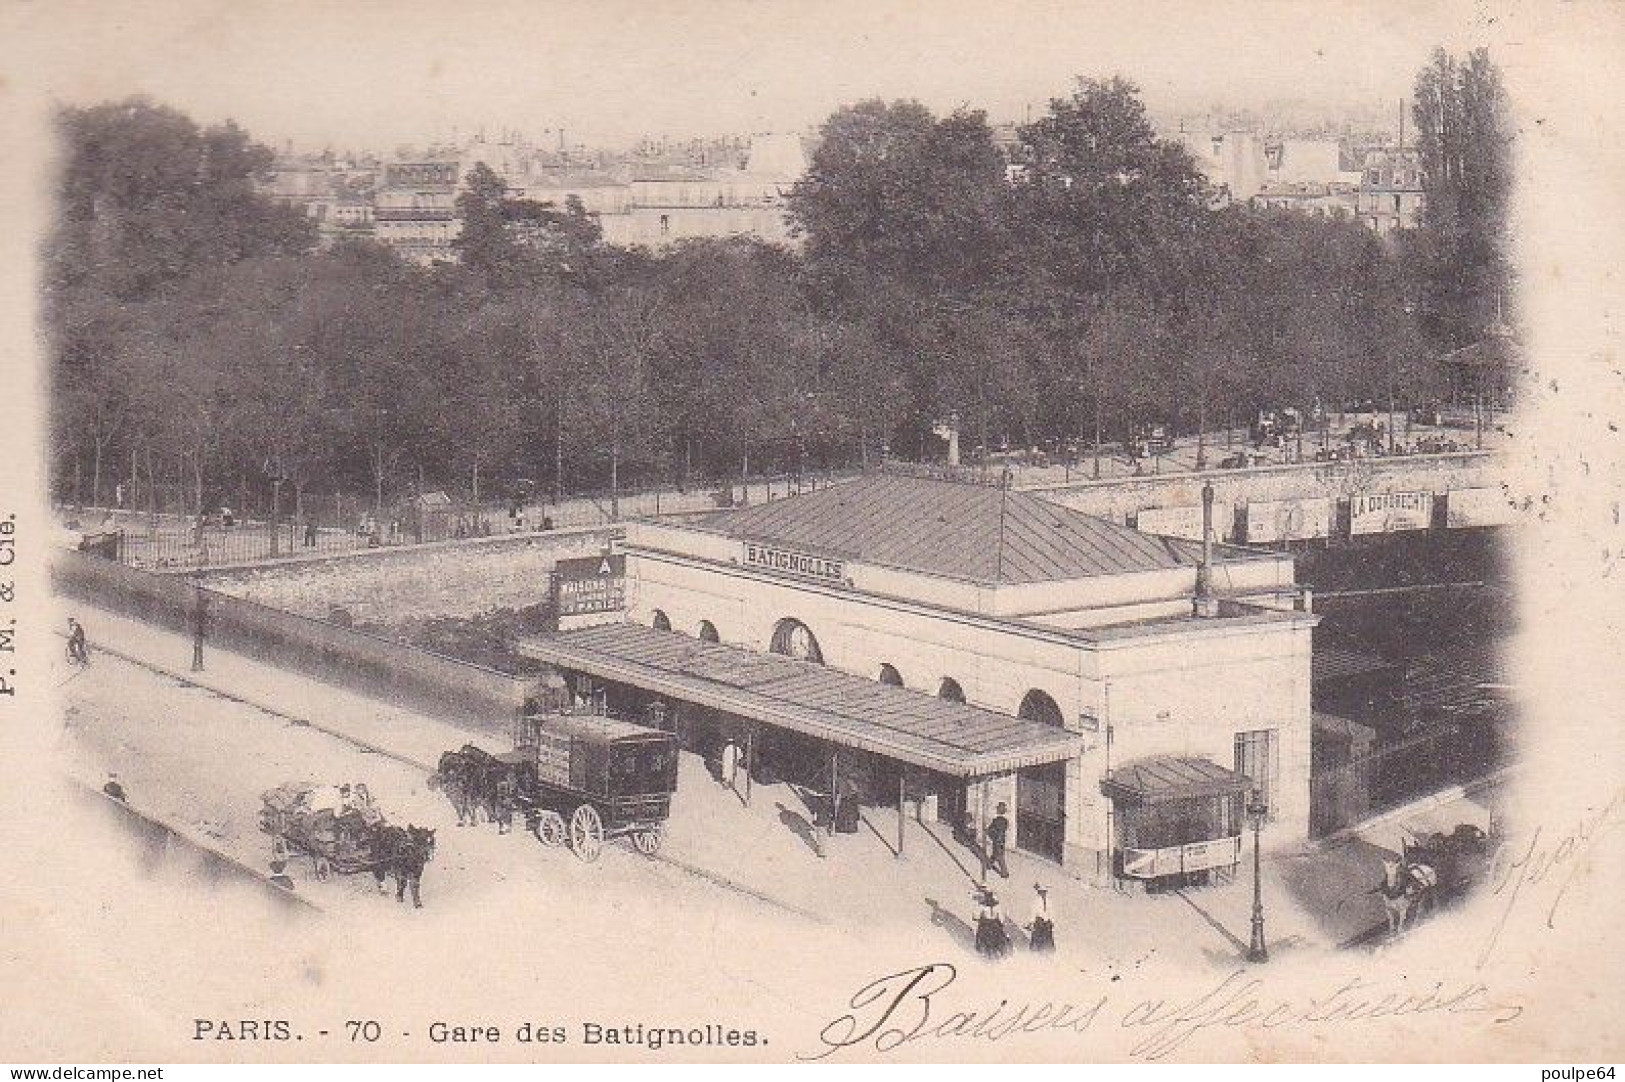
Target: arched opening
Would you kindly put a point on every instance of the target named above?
(890, 675)
(1038, 706)
(661, 621)
(1041, 790)
(708, 632)
(951, 690)
(792, 638)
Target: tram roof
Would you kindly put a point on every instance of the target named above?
(980, 532)
(898, 723)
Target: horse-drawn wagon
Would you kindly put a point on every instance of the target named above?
(587, 778)
(341, 830)
(334, 826)
(579, 779)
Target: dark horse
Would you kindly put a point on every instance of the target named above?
(474, 780)
(402, 852)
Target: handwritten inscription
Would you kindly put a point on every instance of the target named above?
(902, 1009)
(8, 594)
(1550, 858)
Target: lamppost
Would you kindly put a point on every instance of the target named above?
(1257, 809)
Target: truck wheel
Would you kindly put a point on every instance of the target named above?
(586, 833)
(550, 828)
(648, 841)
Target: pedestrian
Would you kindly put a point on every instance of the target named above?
(78, 647)
(227, 519)
(730, 764)
(113, 788)
(992, 941)
(310, 533)
(279, 876)
(848, 809)
(997, 833)
(1041, 932)
(118, 494)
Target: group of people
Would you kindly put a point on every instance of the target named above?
(993, 940)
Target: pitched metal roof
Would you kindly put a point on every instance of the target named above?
(969, 531)
(949, 737)
(1166, 777)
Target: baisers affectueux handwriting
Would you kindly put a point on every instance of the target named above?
(902, 1010)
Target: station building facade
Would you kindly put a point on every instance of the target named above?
(1186, 687)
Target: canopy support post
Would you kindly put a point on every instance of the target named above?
(834, 788)
(750, 760)
(902, 800)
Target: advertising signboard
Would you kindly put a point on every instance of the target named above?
(1289, 520)
(1184, 522)
(589, 584)
(1177, 859)
(1390, 512)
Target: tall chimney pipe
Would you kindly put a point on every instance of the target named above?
(1205, 604)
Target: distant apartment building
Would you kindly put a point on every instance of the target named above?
(1390, 195)
(335, 194)
(1333, 200)
(1234, 162)
(415, 211)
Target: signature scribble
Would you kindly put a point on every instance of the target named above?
(1543, 858)
(901, 1008)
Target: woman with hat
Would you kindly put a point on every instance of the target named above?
(1041, 932)
(992, 941)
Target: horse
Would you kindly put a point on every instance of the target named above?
(1406, 887)
(457, 776)
(402, 852)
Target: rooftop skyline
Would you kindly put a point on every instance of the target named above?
(374, 75)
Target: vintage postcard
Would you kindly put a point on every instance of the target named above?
(782, 532)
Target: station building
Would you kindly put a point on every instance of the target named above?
(963, 644)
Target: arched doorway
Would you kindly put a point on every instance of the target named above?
(708, 632)
(661, 621)
(1041, 790)
(890, 675)
(951, 690)
(792, 638)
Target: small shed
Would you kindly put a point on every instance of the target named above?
(431, 516)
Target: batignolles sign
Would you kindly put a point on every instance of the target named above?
(1289, 520)
(795, 563)
(1390, 512)
(1465, 507)
(590, 584)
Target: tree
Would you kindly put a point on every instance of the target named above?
(508, 242)
(1464, 137)
(147, 197)
(1103, 203)
(894, 193)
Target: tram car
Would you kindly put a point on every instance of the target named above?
(583, 778)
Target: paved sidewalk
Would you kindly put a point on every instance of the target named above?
(768, 850)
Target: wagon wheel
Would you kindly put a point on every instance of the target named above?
(550, 828)
(586, 833)
(648, 841)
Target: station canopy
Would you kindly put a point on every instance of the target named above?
(909, 726)
(1165, 777)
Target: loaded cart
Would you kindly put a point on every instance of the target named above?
(583, 778)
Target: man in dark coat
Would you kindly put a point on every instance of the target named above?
(998, 831)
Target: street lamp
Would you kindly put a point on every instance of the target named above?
(1257, 809)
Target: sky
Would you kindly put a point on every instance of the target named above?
(375, 74)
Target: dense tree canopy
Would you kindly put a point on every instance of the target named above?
(201, 346)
